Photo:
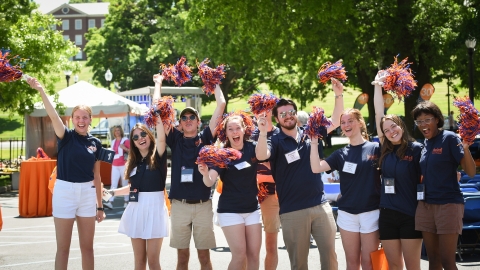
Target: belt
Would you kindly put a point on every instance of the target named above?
(192, 201)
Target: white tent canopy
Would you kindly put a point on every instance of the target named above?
(103, 102)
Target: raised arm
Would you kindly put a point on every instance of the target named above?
(261, 150)
(209, 176)
(379, 103)
(57, 123)
(316, 163)
(339, 107)
(221, 103)
(161, 137)
(467, 162)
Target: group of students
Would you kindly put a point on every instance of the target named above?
(381, 186)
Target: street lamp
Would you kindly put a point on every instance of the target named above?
(67, 75)
(75, 78)
(108, 77)
(471, 47)
(448, 90)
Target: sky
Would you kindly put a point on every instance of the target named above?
(48, 5)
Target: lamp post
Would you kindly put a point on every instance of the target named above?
(471, 47)
(448, 90)
(67, 75)
(108, 77)
(75, 78)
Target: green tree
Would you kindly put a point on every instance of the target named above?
(28, 34)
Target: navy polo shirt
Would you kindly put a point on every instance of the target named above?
(184, 154)
(148, 180)
(239, 191)
(406, 172)
(77, 155)
(262, 169)
(439, 162)
(360, 190)
(297, 186)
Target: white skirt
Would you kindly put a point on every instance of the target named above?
(147, 218)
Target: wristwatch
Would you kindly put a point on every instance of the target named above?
(100, 209)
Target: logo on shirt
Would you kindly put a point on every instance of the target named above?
(408, 158)
(372, 157)
(198, 142)
(92, 149)
(437, 151)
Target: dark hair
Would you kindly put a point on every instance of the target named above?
(283, 102)
(134, 156)
(387, 145)
(428, 107)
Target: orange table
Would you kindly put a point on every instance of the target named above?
(106, 173)
(35, 199)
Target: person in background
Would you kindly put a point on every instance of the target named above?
(439, 214)
(358, 208)
(400, 167)
(238, 210)
(451, 121)
(121, 146)
(268, 200)
(302, 118)
(77, 194)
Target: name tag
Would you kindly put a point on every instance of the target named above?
(292, 156)
(420, 192)
(242, 165)
(349, 167)
(187, 175)
(133, 197)
(389, 185)
(133, 172)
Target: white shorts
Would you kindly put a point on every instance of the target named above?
(74, 199)
(230, 219)
(364, 222)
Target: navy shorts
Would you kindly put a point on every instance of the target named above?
(397, 225)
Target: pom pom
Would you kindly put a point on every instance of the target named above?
(469, 120)
(217, 157)
(164, 110)
(329, 70)
(400, 80)
(247, 120)
(179, 73)
(260, 103)
(316, 122)
(210, 76)
(41, 154)
(8, 73)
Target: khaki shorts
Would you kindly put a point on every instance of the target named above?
(186, 216)
(439, 218)
(270, 214)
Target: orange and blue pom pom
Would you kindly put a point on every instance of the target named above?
(162, 110)
(217, 157)
(469, 120)
(247, 120)
(8, 73)
(400, 80)
(179, 73)
(317, 122)
(210, 76)
(260, 103)
(329, 70)
(167, 72)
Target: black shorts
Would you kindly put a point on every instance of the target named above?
(396, 225)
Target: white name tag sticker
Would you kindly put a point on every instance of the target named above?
(242, 165)
(349, 167)
(292, 156)
(133, 172)
(187, 176)
(389, 185)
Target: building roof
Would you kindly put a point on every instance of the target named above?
(166, 90)
(92, 9)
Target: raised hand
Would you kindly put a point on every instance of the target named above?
(203, 169)
(262, 123)
(157, 78)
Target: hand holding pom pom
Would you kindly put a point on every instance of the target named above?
(399, 79)
(469, 120)
(217, 157)
(210, 77)
(260, 103)
(317, 123)
(329, 70)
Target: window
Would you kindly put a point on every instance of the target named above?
(79, 55)
(53, 27)
(66, 37)
(78, 39)
(65, 25)
(91, 23)
(102, 22)
(78, 24)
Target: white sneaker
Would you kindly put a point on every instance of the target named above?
(125, 205)
(108, 205)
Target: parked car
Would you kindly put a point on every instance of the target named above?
(101, 130)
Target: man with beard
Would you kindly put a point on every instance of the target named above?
(191, 211)
(303, 207)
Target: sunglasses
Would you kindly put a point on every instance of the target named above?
(284, 114)
(427, 121)
(136, 137)
(191, 117)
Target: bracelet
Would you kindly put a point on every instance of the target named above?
(100, 209)
(379, 83)
(341, 95)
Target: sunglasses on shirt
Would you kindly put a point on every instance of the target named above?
(136, 137)
(191, 117)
